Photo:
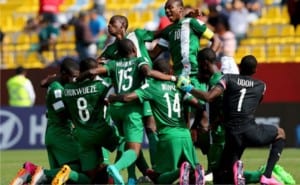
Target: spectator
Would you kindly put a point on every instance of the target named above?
(20, 89)
(99, 6)
(163, 19)
(98, 27)
(227, 37)
(49, 9)
(47, 38)
(85, 45)
(238, 19)
(254, 7)
(293, 10)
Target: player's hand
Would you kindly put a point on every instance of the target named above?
(111, 98)
(184, 84)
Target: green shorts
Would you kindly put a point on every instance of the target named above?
(181, 148)
(91, 140)
(61, 147)
(128, 118)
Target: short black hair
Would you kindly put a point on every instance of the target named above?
(20, 70)
(248, 65)
(125, 47)
(122, 19)
(162, 65)
(87, 64)
(69, 66)
(207, 54)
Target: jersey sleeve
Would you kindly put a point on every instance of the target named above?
(57, 103)
(145, 92)
(223, 82)
(201, 29)
(142, 61)
(146, 35)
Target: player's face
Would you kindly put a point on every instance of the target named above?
(173, 10)
(115, 27)
(204, 72)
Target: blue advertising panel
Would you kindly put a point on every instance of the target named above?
(22, 128)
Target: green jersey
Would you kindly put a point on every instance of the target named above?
(54, 103)
(125, 73)
(182, 39)
(85, 102)
(138, 37)
(166, 103)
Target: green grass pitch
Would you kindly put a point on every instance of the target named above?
(12, 160)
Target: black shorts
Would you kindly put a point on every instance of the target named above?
(259, 135)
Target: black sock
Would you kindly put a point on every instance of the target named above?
(274, 156)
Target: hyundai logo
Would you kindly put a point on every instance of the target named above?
(11, 129)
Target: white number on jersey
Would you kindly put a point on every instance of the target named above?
(243, 92)
(83, 112)
(175, 107)
(123, 75)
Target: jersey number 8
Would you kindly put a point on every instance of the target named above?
(83, 112)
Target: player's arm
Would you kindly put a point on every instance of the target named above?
(48, 80)
(123, 97)
(156, 74)
(202, 30)
(207, 96)
(92, 72)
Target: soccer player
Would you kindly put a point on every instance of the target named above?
(62, 148)
(175, 151)
(241, 96)
(125, 74)
(117, 27)
(84, 101)
(182, 39)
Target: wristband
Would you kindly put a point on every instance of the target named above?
(173, 78)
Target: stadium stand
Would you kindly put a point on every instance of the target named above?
(270, 38)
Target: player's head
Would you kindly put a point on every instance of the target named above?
(248, 65)
(69, 69)
(174, 10)
(126, 48)
(206, 63)
(87, 64)
(20, 70)
(163, 66)
(117, 24)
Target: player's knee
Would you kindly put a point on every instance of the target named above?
(281, 133)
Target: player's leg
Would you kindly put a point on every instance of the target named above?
(261, 135)
(150, 127)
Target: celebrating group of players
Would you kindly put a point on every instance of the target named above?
(124, 87)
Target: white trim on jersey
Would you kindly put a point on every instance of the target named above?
(185, 44)
(132, 36)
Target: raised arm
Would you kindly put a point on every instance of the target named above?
(92, 72)
(216, 43)
(156, 74)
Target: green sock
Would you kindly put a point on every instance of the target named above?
(50, 174)
(153, 139)
(79, 178)
(105, 154)
(141, 163)
(127, 158)
(168, 177)
(252, 177)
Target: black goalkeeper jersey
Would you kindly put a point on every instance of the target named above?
(242, 94)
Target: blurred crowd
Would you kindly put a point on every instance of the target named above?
(229, 19)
